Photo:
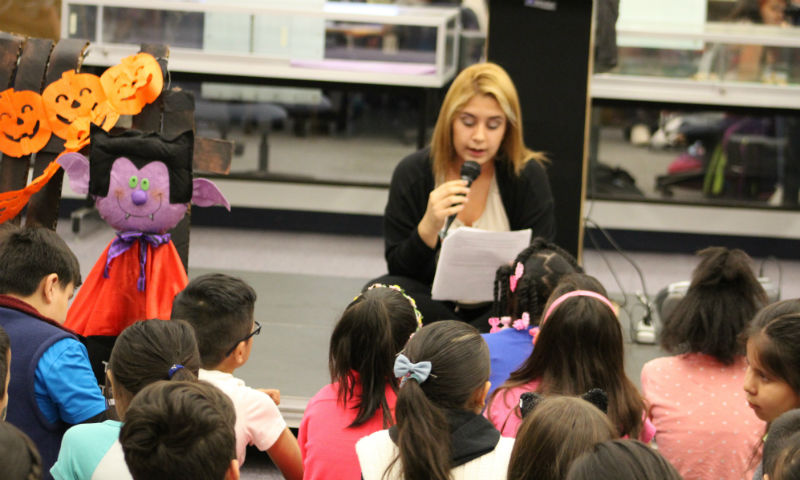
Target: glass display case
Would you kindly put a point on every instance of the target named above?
(302, 39)
(703, 116)
(721, 64)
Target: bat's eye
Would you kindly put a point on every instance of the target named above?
(133, 181)
(145, 184)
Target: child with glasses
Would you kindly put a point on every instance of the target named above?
(220, 308)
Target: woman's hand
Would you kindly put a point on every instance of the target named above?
(445, 200)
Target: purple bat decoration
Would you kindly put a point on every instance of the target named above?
(138, 198)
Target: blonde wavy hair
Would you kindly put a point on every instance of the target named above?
(481, 79)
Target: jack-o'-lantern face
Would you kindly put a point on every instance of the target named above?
(24, 128)
(74, 101)
(136, 81)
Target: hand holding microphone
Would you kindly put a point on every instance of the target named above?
(444, 202)
(469, 172)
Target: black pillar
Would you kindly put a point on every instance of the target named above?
(545, 48)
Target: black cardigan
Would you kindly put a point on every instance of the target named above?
(526, 198)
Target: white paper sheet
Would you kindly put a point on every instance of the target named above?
(469, 259)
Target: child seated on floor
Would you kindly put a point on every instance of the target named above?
(440, 434)
(622, 460)
(579, 347)
(180, 431)
(221, 309)
(555, 432)
(52, 385)
(19, 459)
(144, 353)
(520, 292)
(373, 329)
(772, 379)
(695, 397)
(782, 446)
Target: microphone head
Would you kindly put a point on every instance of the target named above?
(470, 171)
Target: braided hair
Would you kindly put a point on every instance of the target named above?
(544, 264)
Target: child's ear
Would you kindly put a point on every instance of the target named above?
(48, 285)
(240, 353)
(478, 400)
(233, 470)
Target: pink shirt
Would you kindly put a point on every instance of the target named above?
(501, 408)
(705, 428)
(327, 444)
(501, 412)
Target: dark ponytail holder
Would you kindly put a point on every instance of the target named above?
(174, 369)
(528, 401)
(598, 398)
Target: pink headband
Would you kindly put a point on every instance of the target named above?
(576, 293)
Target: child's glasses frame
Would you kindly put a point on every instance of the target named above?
(256, 331)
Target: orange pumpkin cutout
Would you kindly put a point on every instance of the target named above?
(24, 128)
(136, 81)
(72, 103)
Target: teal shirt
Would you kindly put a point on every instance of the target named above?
(91, 451)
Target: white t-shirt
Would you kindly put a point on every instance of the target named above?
(258, 420)
(376, 452)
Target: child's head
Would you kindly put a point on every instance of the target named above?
(457, 380)
(5, 371)
(19, 458)
(723, 297)
(41, 269)
(524, 286)
(622, 460)
(557, 431)
(220, 308)
(787, 463)
(580, 347)
(181, 431)
(779, 437)
(373, 328)
(772, 380)
(149, 351)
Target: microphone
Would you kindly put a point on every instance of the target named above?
(469, 172)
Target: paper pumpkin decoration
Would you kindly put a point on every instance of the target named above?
(136, 81)
(11, 203)
(24, 128)
(72, 103)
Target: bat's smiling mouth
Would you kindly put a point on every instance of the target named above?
(134, 215)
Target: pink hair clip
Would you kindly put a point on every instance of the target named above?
(514, 279)
(499, 323)
(522, 323)
(495, 323)
(534, 333)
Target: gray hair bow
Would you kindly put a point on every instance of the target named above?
(403, 368)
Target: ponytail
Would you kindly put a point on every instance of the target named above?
(542, 265)
(153, 350)
(423, 436)
(459, 366)
(178, 372)
(372, 330)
